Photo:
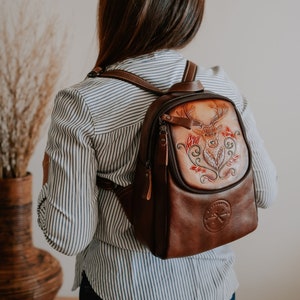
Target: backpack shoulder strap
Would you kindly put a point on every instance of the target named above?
(187, 84)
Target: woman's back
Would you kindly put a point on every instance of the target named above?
(106, 118)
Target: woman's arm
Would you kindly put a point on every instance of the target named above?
(265, 175)
(67, 208)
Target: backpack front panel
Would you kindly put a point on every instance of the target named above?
(212, 153)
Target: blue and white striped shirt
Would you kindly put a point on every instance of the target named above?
(95, 130)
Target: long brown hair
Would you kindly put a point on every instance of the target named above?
(128, 28)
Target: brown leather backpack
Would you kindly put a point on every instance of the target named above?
(193, 188)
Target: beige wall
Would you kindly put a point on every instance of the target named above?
(258, 44)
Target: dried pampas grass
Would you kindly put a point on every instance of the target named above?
(31, 57)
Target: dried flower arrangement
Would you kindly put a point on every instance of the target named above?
(31, 59)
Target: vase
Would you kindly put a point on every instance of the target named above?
(26, 272)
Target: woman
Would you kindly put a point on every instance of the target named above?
(95, 130)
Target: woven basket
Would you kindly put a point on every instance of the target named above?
(25, 271)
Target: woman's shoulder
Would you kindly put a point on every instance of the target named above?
(90, 87)
(216, 79)
(109, 101)
(93, 91)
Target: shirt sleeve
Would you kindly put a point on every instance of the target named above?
(265, 175)
(67, 203)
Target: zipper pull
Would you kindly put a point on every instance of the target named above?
(163, 145)
(149, 192)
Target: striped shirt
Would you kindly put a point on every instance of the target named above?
(95, 130)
